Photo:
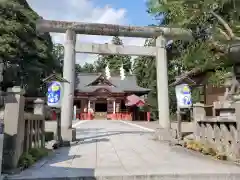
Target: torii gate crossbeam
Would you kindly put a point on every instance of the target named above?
(70, 48)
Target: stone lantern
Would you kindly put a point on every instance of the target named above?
(228, 80)
(228, 84)
(234, 55)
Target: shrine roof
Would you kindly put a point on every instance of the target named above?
(194, 77)
(128, 84)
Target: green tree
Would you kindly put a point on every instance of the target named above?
(145, 71)
(100, 64)
(86, 68)
(214, 24)
(58, 54)
(26, 54)
(114, 61)
(78, 68)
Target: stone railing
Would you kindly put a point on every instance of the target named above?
(22, 131)
(34, 135)
(220, 132)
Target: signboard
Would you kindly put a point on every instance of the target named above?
(54, 95)
(183, 94)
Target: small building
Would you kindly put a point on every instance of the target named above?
(103, 96)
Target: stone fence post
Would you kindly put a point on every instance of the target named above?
(39, 109)
(14, 125)
(236, 106)
(199, 114)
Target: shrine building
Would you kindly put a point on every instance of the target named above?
(102, 96)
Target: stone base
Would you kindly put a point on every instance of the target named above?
(165, 135)
(65, 144)
(68, 135)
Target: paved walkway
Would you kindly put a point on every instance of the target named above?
(113, 150)
(186, 126)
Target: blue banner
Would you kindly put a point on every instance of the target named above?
(54, 94)
(183, 94)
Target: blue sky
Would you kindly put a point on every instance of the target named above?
(136, 10)
(123, 12)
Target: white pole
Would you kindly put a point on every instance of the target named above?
(114, 107)
(89, 105)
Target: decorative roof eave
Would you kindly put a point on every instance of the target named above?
(138, 92)
(54, 77)
(101, 75)
(186, 80)
(188, 76)
(102, 90)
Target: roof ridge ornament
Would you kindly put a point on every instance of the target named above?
(122, 72)
(107, 72)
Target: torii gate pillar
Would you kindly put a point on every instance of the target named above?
(162, 83)
(67, 132)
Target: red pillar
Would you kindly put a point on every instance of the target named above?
(148, 116)
(54, 116)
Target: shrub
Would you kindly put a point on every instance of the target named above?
(209, 151)
(26, 160)
(221, 156)
(205, 149)
(194, 145)
(49, 136)
(38, 153)
(29, 158)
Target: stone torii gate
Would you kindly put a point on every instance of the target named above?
(71, 48)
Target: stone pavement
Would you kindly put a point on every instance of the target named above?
(186, 126)
(117, 150)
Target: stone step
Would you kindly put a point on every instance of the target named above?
(173, 176)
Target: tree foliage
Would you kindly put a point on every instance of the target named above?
(214, 25)
(27, 55)
(114, 62)
(145, 70)
(58, 57)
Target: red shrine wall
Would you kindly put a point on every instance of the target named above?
(115, 107)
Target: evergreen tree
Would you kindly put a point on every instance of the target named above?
(214, 24)
(86, 68)
(145, 70)
(114, 61)
(27, 55)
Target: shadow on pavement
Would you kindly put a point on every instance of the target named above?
(57, 166)
(91, 134)
(92, 141)
(63, 164)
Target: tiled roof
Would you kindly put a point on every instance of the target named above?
(118, 85)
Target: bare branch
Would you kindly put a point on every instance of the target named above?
(225, 24)
(224, 34)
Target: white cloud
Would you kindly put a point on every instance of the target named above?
(83, 11)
